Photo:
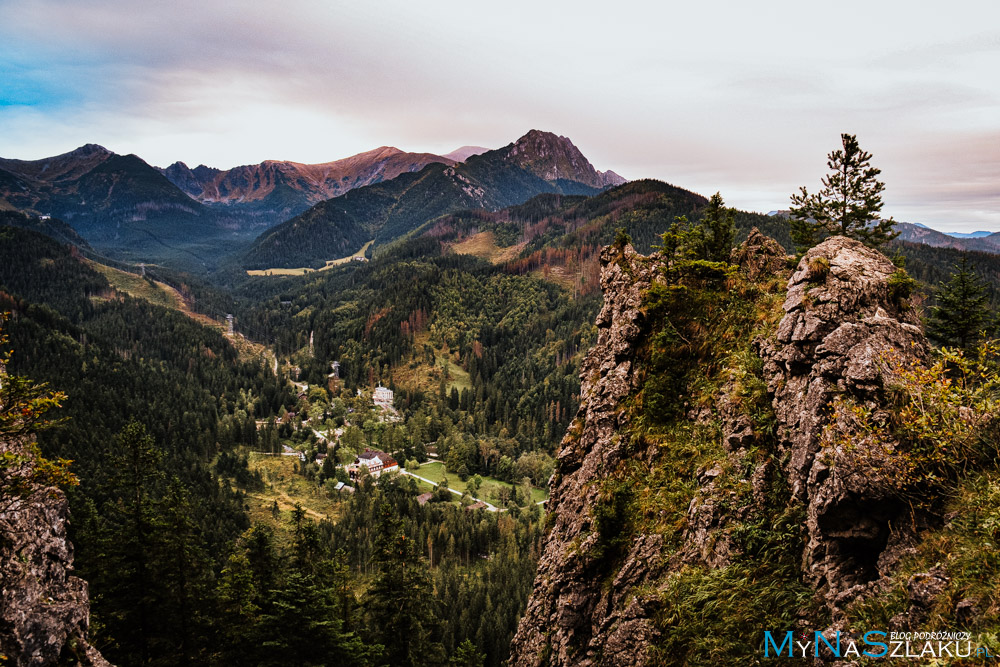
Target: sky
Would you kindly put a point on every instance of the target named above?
(741, 98)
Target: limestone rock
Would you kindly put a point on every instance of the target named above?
(569, 619)
(759, 256)
(44, 610)
(922, 591)
(841, 319)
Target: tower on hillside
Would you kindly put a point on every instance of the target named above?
(229, 322)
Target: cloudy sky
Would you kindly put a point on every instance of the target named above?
(738, 97)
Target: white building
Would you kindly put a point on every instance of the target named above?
(383, 397)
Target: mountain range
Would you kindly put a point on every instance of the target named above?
(191, 217)
(537, 163)
(274, 191)
(976, 241)
(287, 214)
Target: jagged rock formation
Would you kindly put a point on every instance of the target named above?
(841, 318)
(44, 610)
(566, 616)
(841, 313)
(759, 256)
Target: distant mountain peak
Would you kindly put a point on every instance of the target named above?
(87, 150)
(465, 152)
(553, 157)
(541, 141)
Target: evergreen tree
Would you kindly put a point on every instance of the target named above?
(239, 607)
(712, 239)
(24, 472)
(467, 655)
(400, 606)
(184, 573)
(962, 314)
(127, 587)
(848, 205)
(300, 628)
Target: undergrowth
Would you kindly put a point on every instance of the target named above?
(967, 548)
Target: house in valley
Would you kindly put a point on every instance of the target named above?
(375, 463)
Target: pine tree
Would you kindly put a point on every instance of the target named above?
(848, 205)
(467, 655)
(183, 573)
(400, 606)
(300, 627)
(127, 587)
(962, 314)
(712, 238)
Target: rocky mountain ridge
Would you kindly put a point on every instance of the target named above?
(552, 157)
(537, 163)
(279, 189)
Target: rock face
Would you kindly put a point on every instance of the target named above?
(841, 318)
(759, 256)
(551, 157)
(44, 611)
(842, 314)
(569, 619)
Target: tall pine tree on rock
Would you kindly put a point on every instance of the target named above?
(848, 205)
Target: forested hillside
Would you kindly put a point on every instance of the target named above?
(160, 414)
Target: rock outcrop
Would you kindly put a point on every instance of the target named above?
(569, 618)
(44, 610)
(844, 311)
(842, 317)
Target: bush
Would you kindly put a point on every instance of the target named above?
(943, 421)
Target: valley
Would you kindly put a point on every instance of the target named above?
(359, 256)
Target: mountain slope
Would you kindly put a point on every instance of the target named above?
(274, 190)
(560, 237)
(921, 234)
(51, 227)
(388, 210)
(118, 203)
(735, 468)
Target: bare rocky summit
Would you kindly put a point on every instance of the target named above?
(552, 157)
